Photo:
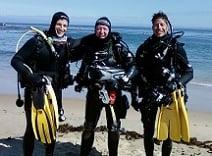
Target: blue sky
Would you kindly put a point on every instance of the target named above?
(182, 13)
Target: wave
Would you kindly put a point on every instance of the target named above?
(201, 84)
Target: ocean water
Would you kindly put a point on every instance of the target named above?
(198, 45)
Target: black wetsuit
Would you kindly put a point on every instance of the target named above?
(112, 54)
(37, 55)
(153, 61)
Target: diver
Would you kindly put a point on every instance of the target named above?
(35, 59)
(103, 48)
(161, 66)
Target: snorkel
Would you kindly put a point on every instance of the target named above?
(19, 101)
(176, 34)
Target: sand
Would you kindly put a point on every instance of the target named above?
(68, 144)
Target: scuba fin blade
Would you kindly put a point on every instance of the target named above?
(42, 123)
(168, 124)
(53, 106)
(43, 126)
(183, 114)
(162, 127)
(175, 133)
(44, 115)
(34, 120)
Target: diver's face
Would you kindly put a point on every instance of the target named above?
(160, 27)
(61, 27)
(102, 31)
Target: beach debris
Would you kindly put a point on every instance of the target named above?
(129, 135)
(9, 138)
(202, 144)
(66, 128)
(132, 135)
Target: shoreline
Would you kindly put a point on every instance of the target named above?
(199, 95)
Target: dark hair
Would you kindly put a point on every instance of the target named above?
(160, 14)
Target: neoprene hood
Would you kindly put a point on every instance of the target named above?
(55, 18)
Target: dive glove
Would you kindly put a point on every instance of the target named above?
(79, 78)
(173, 85)
(36, 80)
(157, 97)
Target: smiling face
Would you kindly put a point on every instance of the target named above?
(102, 31)
(160, 27)
(61, 27)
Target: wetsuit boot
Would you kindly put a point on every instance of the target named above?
(148, 115)
(149, 141)
(148, 145)
(28, 140)
(113, 141)
(86, 142)
(50, 149)
(166, 147)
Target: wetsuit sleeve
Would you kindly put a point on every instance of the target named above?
(21, 59)
(75, 49)
(125, 58)
(184, 68)
(140, 61)
(142, 53)
(81, 49)
(137, 56)
(140, 82)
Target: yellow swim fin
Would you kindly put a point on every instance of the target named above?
(168, 124)
(44, 114)
(173, 120)
(183, 114)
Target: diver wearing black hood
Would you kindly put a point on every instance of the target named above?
(107, 49)
(55, 18)
(35, 59)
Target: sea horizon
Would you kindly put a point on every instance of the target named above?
(185, 28)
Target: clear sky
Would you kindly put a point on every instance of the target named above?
(182, 13)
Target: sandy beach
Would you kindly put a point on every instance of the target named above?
(68, 144)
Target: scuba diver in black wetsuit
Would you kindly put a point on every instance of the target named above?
(103, 48)
(162, 65)
(35, 59)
